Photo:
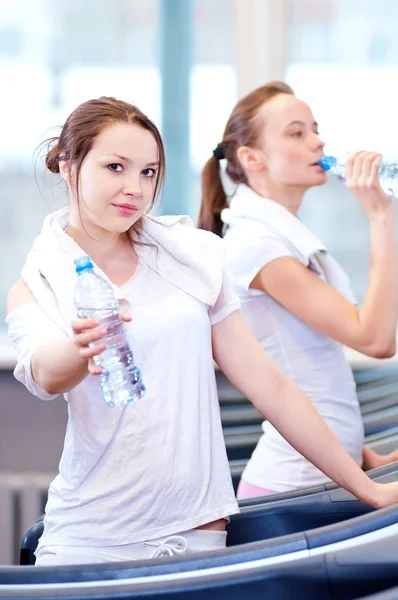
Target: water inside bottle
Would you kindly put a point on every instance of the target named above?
(120, 378)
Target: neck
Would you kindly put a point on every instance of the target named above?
(99, 244)
(288, 196)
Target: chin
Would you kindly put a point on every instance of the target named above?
(317, 183)
(319, 179)
(117, 226)
(124, 227)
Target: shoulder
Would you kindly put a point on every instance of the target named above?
(252, 243)
(246, 231)
(190, 258)
(18, 295)
(176, 229)
(250, 251)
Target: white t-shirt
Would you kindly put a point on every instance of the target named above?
(311, 359)
(158, 465)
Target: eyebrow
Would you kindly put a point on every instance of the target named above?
(315, 124)
(151, 164)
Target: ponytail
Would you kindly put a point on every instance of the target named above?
(242, 129)
(214, 199)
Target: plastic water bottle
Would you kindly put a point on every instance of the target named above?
(94, 299)
(388, 172)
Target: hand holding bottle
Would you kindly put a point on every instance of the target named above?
(107, 344)
(87, 337)
(362, 178)
(358, 167)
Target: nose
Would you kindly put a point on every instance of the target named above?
(133, 187)
(316, 143)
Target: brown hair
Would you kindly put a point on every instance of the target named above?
(241, 130)
(86, 122)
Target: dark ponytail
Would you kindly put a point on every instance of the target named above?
(216, 200)
(242, 129)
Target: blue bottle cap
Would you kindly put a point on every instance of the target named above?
(82, 263)
(327, 162)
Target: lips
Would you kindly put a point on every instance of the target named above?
(316, 162)
(126, 209)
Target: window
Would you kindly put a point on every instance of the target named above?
(56, 54)
(343, 61)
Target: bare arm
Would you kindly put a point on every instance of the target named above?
(60, 365)
(57, 367)
(370, 329)
(249, 368)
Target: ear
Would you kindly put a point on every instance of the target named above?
(251, 159)
(65, 170)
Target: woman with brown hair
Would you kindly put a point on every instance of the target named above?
(295, 297)
(150, 478)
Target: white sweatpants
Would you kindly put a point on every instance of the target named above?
(186, 542)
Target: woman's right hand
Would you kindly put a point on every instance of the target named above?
(85, 332)
(362, 179)
(386, 494)
(88, 331)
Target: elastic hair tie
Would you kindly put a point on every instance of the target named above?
(218, 152)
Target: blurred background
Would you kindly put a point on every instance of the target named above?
(185, 63)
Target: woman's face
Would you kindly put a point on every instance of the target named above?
(290, 143)
(117, 178)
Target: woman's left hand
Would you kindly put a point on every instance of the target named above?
(373, 460)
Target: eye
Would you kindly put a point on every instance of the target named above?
(149, 172)
(297, 134)
(115, 167)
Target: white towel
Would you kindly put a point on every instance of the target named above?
(246, 204)
(191, 259)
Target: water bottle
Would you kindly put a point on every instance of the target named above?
(388, 172)
(94, 299)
